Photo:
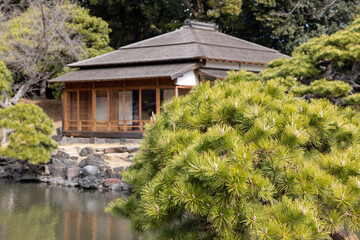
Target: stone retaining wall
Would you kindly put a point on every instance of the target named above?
(85, 166)
(78, 140)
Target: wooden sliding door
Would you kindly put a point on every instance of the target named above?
(108, 109)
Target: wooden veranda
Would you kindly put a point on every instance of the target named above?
(114, 108)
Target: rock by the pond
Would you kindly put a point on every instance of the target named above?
(86, 151)
(92, 160)
(115, 150)
(60, 155)
(3, 174)
(111, 181)
(90, 182)
(23, 171)
(125, 186)
(90, 170)
(72, 172)
(108, 172)
(98, 164)
(58, 171)
(7, 161)
(59, 131)
(116, 186)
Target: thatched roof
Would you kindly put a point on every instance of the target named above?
(193, 41)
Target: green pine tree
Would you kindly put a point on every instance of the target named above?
(30, 130)
(328, 66)
(5, 78)
(244, 160)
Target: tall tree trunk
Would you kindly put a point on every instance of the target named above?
(343, 234)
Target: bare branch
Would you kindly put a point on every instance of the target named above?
(43, 46)
(197, 12)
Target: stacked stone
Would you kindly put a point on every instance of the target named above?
(87, 169)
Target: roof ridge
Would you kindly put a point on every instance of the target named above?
(208, 44)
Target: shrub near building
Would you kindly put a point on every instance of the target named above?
(29, 130)
(242, 159)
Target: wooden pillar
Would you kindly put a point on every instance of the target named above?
(140, 115)
(108, 109)
(78, 111)
(65, 110)
(157, 97)
(123, 109)
(176, 91)
(93, 110)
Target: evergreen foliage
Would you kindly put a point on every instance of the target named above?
(94, 31)
(279, 24)
(30, 130)
(328, 66)
(243, 158)
(286, 24)
(5, 78)
(38, 38)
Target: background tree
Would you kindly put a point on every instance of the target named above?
(30, 131)
(242, 159)
(5, 79)
(132, 21)
(284, 25)
(40, 38)
(328, 66)
(279, 24)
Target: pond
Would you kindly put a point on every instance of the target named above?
(35, 211)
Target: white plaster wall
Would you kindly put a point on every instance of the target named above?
(222, 65)
(188, 79)
(252, 67)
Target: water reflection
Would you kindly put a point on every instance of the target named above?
(41, 212)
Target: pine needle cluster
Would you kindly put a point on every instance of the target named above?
(243, 158)
(30, 130)
(327, 66)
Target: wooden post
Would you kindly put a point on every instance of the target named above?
(65, 110)
(78, 110)
(157, 97)
(140, 115)
(108, 109)
(176, 91)
(93, 110)
(123, 103)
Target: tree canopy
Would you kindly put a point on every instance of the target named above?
(30, 130)
(328, 66)
(279, 24)
(243, 159)
(5, 78)
(38, 39)
(284, 24)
